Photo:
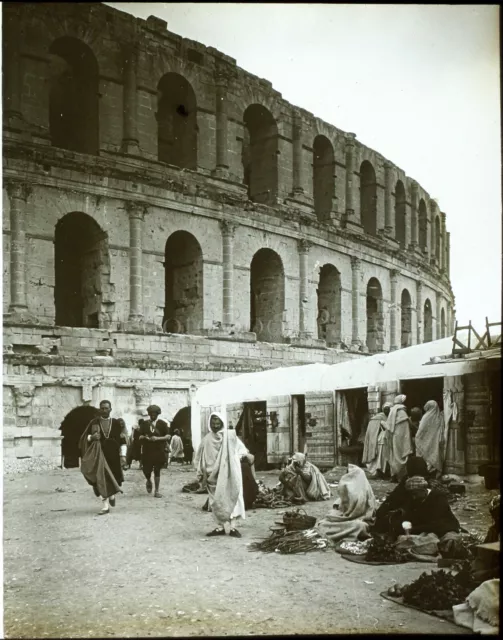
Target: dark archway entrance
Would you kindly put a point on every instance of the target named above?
(73, 96)
(176, 122)
(400, 213)
(260, 154)
(329, 305)
(428, 321)
(267, 296)
(183, 269)
(323, 177)
(81, 267)
(423, 225)
(368, 198)
(406, 320)
(375, 320)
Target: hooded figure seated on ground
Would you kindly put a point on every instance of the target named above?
(355, 509)
(302, 481)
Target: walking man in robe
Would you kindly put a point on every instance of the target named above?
(374, 451)
(154, 434)
(398, 440)
(100, 446)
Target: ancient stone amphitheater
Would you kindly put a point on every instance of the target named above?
(170, 219)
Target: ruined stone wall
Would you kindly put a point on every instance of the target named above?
(247, 172)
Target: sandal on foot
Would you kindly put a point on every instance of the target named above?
(112, 501)
(216, 532)
(157, 494)
(149, 486)
(104, 512)
(234, 533)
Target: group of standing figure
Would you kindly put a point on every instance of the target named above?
(392, 436)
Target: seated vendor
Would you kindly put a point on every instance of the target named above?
(302, 481)
(428, 510)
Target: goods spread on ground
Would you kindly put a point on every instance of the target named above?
(271, 498)
(383, 550)
(290, 542)
(354, 547)
(438, 590)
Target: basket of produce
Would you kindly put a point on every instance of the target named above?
(298, 520)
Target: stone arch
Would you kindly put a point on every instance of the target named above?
(329, 305)
(423, 225)
(176, 121)
(375, 317)
(183, 273)
(82, 271)
(443, 324)
(267, 296)
(400, 213)
(406, 319)
(73, 96)
(428, 321)
(323, 177)
(368, 198)
(437, 238)
(260, 154)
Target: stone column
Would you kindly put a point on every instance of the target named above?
(228, 271)
(389, 218)
(413, 217)
(18, 194)
(419, 312)
(393, 310)
(442, 261)
(303, 247)
(298, 178)
(13, 67)
(355, 300)
(351, 212)
(129, 99)
(136, 215)
(223, 76)
(448, 254)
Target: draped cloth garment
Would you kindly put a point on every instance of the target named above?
(398, 439)
(316, 489)
(430, 443)
(356, 510)
(374, 450)
(94, 465)
(218, 466)
(176, 445)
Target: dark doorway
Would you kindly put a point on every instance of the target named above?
(495, 383)
(181, 421)
(419, 391)
(267, 296)
(252, 429)
(260, 154)
(298, 424)
(358, 411)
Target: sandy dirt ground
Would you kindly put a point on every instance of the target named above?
(147, 569)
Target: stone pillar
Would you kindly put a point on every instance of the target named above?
(443, 243)
(18, 194)
(223, 76)
(228, 271)
(413, 217)
(12, 67)
(136, 216)
(448, 254)
(419, 312)
(303, 247)
(393, 310)
(298, 177)
(389, 218)
(352, 213)
(355, 300)
(129, 99)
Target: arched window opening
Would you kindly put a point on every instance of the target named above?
(267, 296)
(81, 267)
(406, 319)
(176, 122)
(323, 177)
(260, 154)
(73, 96)
(375, 319)
(428, 321)
(400, 213)
(437, 238)
(443, 324)
(368, 198)
(329, 305)
(423, 225)
(183, 271)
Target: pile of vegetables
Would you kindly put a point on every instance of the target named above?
(271, 499)
(438, 590)
(290, 542)
(382, 549)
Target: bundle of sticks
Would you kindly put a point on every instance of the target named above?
(290, 542)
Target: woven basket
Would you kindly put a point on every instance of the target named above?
(298, 520)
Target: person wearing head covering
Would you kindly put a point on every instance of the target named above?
(429, 440)
(218, 467)
(415, 418)
(427, 509)
(176, 445)
(302, 481)
(354, 511)
(154, 434)
(374, 452)
(398, 440)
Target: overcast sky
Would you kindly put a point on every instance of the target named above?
(418, 83)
